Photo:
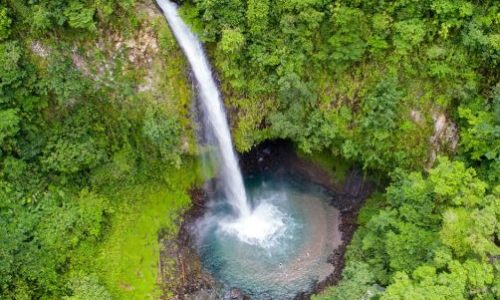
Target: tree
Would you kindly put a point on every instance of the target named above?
(425, 285)
(348, 43)
(358, 283)
(257, 16)
(480, 137)
(10, 71)
(454, 184)
(409, 34)
(80, 16)
(41, 20)
(295, 101)
(231, 42)
(434, 238)
(378, 124)
(75, 145)
(409, 246)
(9, 123)
(164, 132)
(87, 287)
(5, 22)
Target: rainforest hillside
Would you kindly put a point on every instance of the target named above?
(98, 149)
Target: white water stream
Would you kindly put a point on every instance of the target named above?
(255, 226)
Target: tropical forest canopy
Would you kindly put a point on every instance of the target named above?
(95, 128)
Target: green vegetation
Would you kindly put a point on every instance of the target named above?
(127, 258)
(390, 85)
(427, 237)
(93, 135)
(97, 148)
(355, 78)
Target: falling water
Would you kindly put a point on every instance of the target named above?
(211, 104)
(280, 245)
(259, 225)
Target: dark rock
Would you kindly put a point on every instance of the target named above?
(180, 266)
(279, 157)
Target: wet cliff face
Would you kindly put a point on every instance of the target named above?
(280, 157)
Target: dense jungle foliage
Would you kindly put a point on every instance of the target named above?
(358, 77)
(367, 81)
(94, 128)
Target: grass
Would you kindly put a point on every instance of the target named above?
(126, 260)
(129, 256)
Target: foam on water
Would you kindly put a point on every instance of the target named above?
(274, 261)
(262, 227)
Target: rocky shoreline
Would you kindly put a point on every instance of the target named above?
(185, 276)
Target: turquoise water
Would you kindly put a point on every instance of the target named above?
(290, 260)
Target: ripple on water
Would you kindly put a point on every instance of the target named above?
(278, 251)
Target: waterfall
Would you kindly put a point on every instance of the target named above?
(212, 107)
(263, 224)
